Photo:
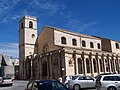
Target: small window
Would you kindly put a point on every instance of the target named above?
(30, 24)
(63, 40)
(74, 42)
(33, 35)
(98, 45)
(21, 25)
(30, 52)
(91, 45)
(83, 43)
(117, 45)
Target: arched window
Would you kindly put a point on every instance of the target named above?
(98, 45)
(117, 45)
(91, 45)
(95, 65)
(107, 65)
(30, 24)
(112, 65)
(83, 43)
(80, 66)
(74, 42)
(44, 68)
(117, 64)
(63, 40)
(88, 65)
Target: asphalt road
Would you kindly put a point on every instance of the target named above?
(17, 85)
(20, 85)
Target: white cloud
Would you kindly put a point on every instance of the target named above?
(6, 5)
(49, 6)
(10, 18)
(10, 49)
(5, 10)
(78, 26)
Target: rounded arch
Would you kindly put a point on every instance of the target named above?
(98, 45)
(83, 43)
(44, 68)
(101, 65)
(88, 65)
(107, 65)
(95, 65)
(63, 40)
(80, 66)
(112, 65)
(91, 45)
(74, 42)
(30, 24)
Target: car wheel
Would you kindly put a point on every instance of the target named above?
(11, 84)
(76, 87)
(66, 85)
(111, 88)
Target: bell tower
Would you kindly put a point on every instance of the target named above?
(27, 39)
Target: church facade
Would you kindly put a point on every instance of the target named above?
(57, 52)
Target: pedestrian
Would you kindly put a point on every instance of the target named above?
(60, 79)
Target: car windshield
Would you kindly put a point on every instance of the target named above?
(4, 78)
(74, 77)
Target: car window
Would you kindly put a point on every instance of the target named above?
(117, 78)
(74, 77)
(58, 86)
(5, 78)
(45, 86)
(88, 78)
(80, 78)
(109, 78)
(35, 86)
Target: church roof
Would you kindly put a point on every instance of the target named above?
(73, 33)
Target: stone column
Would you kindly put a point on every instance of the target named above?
(51, 66)
(98, 63)
(85, 70)
(40, 70)
(114, 63)
(92, 67)
(84, 63)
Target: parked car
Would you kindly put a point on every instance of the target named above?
(45, 85)
(108, 82)
(7, 81)
(82, 82)
(67, 78)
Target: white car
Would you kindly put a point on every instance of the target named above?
(82, 82)
(67, 78)
(108, 82)
(7, 81)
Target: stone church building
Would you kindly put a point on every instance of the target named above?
(57, 52)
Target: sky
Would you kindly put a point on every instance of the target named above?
(92, 17)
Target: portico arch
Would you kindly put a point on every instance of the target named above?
(80, 66)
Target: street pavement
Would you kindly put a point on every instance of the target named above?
(17, 85)
(20, 85)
